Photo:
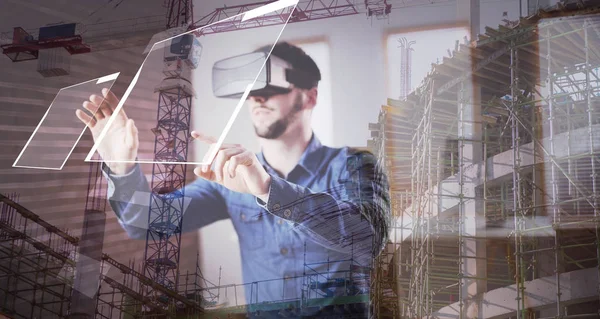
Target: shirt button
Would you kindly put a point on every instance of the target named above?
(276, 206)
(280, 221)
(287, 213)
(287, 277)
(243, 216)
(283, 251)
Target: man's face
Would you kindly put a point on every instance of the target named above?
(272, 116)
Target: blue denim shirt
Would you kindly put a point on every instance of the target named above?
(329, 214)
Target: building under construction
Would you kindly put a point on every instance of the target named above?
(493, 163)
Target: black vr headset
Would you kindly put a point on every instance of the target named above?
(231, 76)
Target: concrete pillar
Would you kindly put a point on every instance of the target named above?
(469, 13)
(529, 7)
(473, 264)
(524, 7)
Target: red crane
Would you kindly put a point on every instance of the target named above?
(305, 11)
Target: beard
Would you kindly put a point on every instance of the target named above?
(277, 128)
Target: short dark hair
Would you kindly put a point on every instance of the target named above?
(294, 56)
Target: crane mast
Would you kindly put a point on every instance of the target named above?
(172, 131)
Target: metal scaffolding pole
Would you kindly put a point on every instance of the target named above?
(553, 177)
(463, 293)
(517, 202)
(593, 158)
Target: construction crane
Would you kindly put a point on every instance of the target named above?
(405, 66)
(23, 45)
(172, 131)
(377, 8)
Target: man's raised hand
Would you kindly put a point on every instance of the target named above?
(121, 140)
(236, 168)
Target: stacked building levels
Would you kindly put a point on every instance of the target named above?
(493, 165)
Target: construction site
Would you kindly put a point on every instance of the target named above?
(493, 161)
(491, 164)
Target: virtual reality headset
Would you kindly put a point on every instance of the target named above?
(231, 76)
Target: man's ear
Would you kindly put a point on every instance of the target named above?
(311, 96)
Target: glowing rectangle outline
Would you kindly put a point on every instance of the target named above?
(106, 78)
(231, 119)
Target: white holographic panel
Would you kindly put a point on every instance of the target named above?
(59, 130)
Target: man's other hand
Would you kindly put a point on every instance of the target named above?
(121, 140)
(236, 168)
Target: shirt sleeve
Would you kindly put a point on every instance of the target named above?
(129, 196)
(353, 217)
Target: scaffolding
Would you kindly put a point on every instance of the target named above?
(495, 184)
(33, 259)
(122, 294)
(321, 281)
(326, 291)
(38, 269)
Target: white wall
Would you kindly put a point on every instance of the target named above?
(358, 89)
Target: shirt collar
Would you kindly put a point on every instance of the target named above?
(310, 159)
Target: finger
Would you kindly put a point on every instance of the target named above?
(211, 140)
(136, 139)
(204, 168)
(221, 160)
(222, 157)
(204, 138)
(128, 133)
(93, 108)
(86, 119)
(242, 159)
(110, 98)
(131, 136)
(208, 175)
(112, 101)
(102, 104)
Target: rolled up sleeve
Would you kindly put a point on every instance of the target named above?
(128, 196)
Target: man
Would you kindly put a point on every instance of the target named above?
(304, 213)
